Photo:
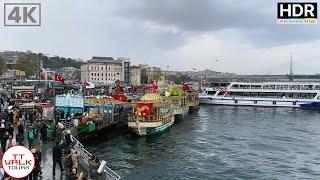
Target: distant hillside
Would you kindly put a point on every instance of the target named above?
(59, 62)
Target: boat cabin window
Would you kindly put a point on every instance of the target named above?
(211, 92)
(274, 95)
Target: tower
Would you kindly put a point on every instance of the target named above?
(291, 69)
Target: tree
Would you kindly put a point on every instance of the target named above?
(76, 75)
(144, 76)
(157, 75)
(3, 66)
(28, 62)
(179, 79)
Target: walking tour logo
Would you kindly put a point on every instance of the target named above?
(18, 161)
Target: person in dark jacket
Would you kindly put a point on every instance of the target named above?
(57, 157)
(11, 129)
(4, 141)
(43, 132)
(20, 127)
(37, 168)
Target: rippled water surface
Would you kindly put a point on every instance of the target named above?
(221, 142)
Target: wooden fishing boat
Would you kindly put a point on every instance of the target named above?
(151, 115)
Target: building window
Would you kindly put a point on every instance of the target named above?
(91, 74)
(98, 74)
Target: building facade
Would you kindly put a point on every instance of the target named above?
(105, 70)
(135, 77)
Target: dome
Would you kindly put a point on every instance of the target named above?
(151, 97)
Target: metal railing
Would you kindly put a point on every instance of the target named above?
(85, 156)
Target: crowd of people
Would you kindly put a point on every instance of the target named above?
(27, 128)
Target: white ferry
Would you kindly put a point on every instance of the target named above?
(273, 94)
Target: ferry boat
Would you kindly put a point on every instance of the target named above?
(151, 115)
(311, 106)
(180, 103)
(271, 94)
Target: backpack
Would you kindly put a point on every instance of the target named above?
(31, 135)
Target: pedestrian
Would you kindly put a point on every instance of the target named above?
(59, 130)
(74, 154)
(2, 129)
(37, 168)
(4, 141)
(11, 129)
(68, 138)
(75, 176)
(57, 157)
(31, 135)
(43, 132)
(20, 127)
(93, 168)
(10, 142)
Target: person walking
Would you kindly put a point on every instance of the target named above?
(4, 141)
(43, 132)
(57, 157)
(37, 169)
(11, 129)
(10, 142)
(31, 135)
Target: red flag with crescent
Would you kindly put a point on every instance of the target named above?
(59, 78)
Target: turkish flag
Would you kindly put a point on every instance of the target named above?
(144, 108)
(119, 97)
(59, 78)
(186, 87)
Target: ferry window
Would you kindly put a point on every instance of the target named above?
(211, 92)
(221, 93)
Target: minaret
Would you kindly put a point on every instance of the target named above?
(291, 69)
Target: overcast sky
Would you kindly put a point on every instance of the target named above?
(182, 34)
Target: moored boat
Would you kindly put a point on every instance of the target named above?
(192, 97)
(151, 115)
(268, 94)
(179, 101)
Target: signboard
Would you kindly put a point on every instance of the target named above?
(69, 101)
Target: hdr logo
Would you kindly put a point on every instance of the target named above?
(297, 13)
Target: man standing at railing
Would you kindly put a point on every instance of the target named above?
(93, 168)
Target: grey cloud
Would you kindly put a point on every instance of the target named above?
(255, 19)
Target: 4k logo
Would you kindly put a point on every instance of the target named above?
(22, 14)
